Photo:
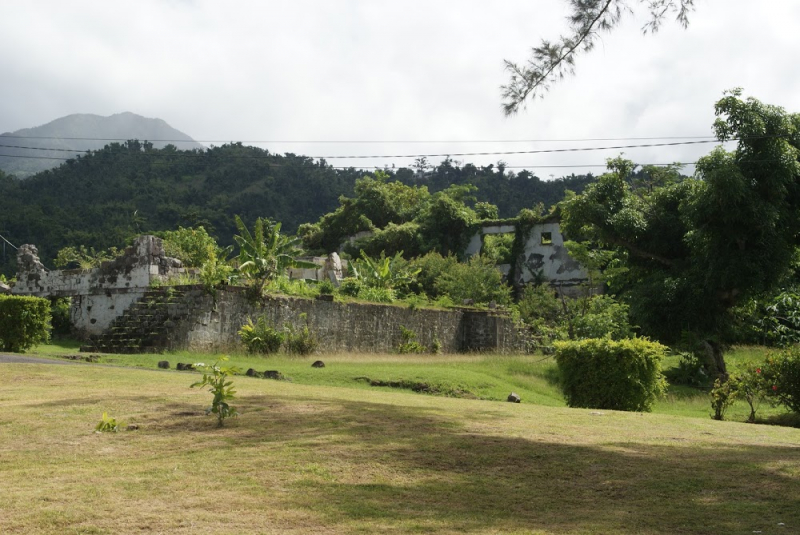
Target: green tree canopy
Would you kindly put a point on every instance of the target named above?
(697, 247)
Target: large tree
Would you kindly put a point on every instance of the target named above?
(695, 248)
(552, 60)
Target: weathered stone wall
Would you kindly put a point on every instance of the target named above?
(102, 294)
(344, 327)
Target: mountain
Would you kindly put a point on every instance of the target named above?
(68, 136)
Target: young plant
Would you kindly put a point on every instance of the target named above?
(107, 425)
(216, 377)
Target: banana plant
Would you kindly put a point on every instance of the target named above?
(384, 272)
(265, 253)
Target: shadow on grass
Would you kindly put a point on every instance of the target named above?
(410, 469)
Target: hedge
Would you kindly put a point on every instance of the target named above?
(24, 322)
(601, 373)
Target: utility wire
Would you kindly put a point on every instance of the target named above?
(8, 242)
(369, 141)
(442, 155)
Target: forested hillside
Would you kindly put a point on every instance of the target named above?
(108, 196)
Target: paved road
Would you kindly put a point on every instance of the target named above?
(9, 359)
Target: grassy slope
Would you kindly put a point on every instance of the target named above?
(321, 459)
(489, 377)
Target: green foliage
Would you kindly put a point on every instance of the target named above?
(260, 337)
(59, 316)
(478, 279)
(216, 377)
(216, 269)
(498, 248)
(350, 286)
(376, 295)
(293, 287)
(781, 376)
(326, 287)
(24, 322)
(388, 273)
(393, 239)
(83, 258)
(429, 268)
(266, 253)
(722, 397)
(126, 189)
(609, 374)
(108, 424)
(486, 210)
(698, 247)
(690, 371)
(751, 385)
(192, 246)
(780, 322)
(542, 312)
(603, 317)
(408, 342)
(300, 341)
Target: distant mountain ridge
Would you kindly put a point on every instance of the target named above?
(81, 132)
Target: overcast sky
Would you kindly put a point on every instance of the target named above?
(380, 70)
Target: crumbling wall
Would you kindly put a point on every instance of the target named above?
(102, 294)
(544, 256)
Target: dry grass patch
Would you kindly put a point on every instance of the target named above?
(317, 459)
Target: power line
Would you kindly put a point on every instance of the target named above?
(8, 242)
(442, 155)
(370, 141)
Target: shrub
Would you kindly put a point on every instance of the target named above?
(603, 317)
(750, 385)
(59, 312)
(260, 338)
(376, 295)
(326, 288)
(350, 287)
(781, 376)
(478, 280)
(722, 397)
(430, 266)
(608, 374)
(24, 322)
(408, 342)
(300, 342)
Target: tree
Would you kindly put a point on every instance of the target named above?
(696, 248)
(551, 61)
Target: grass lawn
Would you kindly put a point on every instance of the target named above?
(326, 453)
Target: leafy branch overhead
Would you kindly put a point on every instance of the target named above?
(552, 61)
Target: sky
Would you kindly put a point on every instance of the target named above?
(393, 78)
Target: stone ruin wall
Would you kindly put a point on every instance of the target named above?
(99, 295)
(344, 327)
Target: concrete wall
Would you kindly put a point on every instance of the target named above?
(546, 256)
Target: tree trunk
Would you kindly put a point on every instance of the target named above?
(715, 361)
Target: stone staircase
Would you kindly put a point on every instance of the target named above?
(146, 325)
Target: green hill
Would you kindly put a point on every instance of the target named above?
(108, 196)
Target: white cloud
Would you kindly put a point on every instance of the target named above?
(379, 69)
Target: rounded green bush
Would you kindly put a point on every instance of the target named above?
(601, 373)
